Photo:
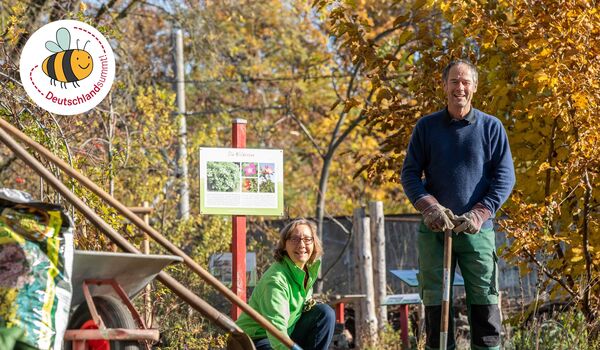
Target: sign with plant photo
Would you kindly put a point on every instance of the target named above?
(241, 181)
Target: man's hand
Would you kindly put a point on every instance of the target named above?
(471, 221)
(436, 217)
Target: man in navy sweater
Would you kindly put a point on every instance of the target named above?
(468, 171)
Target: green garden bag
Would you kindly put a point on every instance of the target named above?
(36, 256)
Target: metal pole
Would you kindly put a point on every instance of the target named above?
(446, 289)
(123, 210)
(238, 238)
(404, 327)
(182, 168)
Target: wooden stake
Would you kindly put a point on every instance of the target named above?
(358, 284)
(365, 264)
(379, 268)
(238, 228)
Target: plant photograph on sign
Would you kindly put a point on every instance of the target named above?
(250, 177)
(266, 178)
(223, 176)
(249, 169)
(250, 185)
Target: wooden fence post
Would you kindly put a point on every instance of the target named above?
(368, 319)
(358, 289)
(144, 211)
(379, 266)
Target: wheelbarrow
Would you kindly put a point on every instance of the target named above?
(102, 316)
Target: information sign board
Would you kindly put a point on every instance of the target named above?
(241, 181)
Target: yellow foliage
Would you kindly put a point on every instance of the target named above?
(539, 66)
(543, 167)
(580, 100)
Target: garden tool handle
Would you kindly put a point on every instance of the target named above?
(447, 284)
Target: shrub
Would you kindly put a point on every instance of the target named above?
(563, 330)
(223, 176)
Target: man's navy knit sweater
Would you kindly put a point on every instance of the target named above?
(465, 162)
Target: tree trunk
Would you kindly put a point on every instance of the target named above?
(321, 208)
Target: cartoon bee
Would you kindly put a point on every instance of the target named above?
(66, 66)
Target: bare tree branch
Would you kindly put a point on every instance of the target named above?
(104, 8)
(342, 251)
(549, 273)
(307, 133)
(126, 10)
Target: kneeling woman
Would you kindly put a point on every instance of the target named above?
(283, 294)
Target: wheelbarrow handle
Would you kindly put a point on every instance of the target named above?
(447, 284)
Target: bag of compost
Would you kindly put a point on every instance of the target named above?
(36, 257)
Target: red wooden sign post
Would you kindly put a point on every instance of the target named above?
(238, 241)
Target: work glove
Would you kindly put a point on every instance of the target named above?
(436, 217)
(471, 221)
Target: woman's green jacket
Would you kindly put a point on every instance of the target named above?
(280, 297)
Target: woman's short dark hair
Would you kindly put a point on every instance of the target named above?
(287, 231)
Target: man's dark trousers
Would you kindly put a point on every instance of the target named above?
(476, 256)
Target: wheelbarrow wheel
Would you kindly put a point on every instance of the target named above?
(114, 314)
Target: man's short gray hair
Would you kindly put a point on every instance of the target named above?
(453, 63)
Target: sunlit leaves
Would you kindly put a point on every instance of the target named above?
(539, 73)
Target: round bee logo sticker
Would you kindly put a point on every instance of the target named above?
(67, 67)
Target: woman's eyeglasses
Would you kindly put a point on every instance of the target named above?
(297, 240)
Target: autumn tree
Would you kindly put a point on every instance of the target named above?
(280, 75)
(125, 145)
(539, 74)
(269, 62)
